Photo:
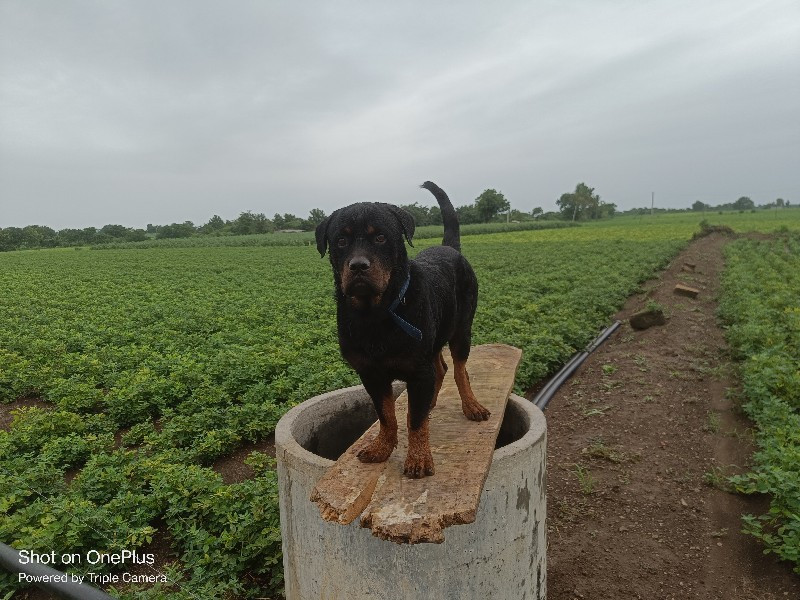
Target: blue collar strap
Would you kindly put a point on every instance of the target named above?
(401, 322)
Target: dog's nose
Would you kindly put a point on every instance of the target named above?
(359, 263)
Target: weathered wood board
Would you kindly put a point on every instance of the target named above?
(408, 510)
(685, 290)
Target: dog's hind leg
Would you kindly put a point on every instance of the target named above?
(459, 350)
(419, 461)
(440, 367)
(382, 445)
(461, 341)
(472, 409)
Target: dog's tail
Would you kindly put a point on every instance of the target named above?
(452, 231)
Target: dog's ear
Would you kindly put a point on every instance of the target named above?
(406, 222)
(322, 236)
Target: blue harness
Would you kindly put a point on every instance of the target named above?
(401, 322)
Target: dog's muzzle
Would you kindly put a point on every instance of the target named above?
(357, 280)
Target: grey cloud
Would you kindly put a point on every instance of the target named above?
(154, 112)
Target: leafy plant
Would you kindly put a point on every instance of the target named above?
(761, 285)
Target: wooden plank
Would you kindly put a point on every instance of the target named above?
(685, 290)
(417, 510)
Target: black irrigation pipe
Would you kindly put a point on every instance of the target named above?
(48, 578)
(551, 387)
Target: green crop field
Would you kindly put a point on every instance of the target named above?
(132, 371)
(761, 303)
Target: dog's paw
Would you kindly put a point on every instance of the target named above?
(418, 466)
(474, 411)
(378, 450)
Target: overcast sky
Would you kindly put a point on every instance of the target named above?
(164, 111)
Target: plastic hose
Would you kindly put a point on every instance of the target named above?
(551, 387)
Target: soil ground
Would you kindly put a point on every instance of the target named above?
(638, 443)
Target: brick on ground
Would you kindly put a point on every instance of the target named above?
(685, 290)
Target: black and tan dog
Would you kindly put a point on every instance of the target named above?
(395, 315)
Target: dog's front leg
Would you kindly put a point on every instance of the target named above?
(419, 461)
(381, 446)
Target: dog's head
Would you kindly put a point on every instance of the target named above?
(367, 247)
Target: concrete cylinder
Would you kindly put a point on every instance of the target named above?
(501, 555)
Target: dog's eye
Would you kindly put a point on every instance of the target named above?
(380, 238)
(342, 242)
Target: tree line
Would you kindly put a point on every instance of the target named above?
(485, 208)
(491, 205)
(744, 203)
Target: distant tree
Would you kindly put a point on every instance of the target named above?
(597, 209)
(70, 237)
(151, 228)
(38, 236)
(568, 206)
(537, 212)
(103, 238)
(420, 213)
(215, 225)
(744, 203)
(10, 238)
(489, 204)
(519, 216)
(700, 206)
(467, 214)
(580, 204)
(262, 223)
(244, 223)
(176, 230)
(77, 237)
(135, 235)
(315, 217)
(606, 210)
(248, 223)
(551, 216)
(435, 215)
(779, 203)
(114, 231)
(89, 234)
(289, 221)
(424, 215)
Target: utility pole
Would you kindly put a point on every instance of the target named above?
(652, 202)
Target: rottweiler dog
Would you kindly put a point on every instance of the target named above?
(395, 315)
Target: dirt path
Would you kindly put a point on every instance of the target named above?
(635, 441)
